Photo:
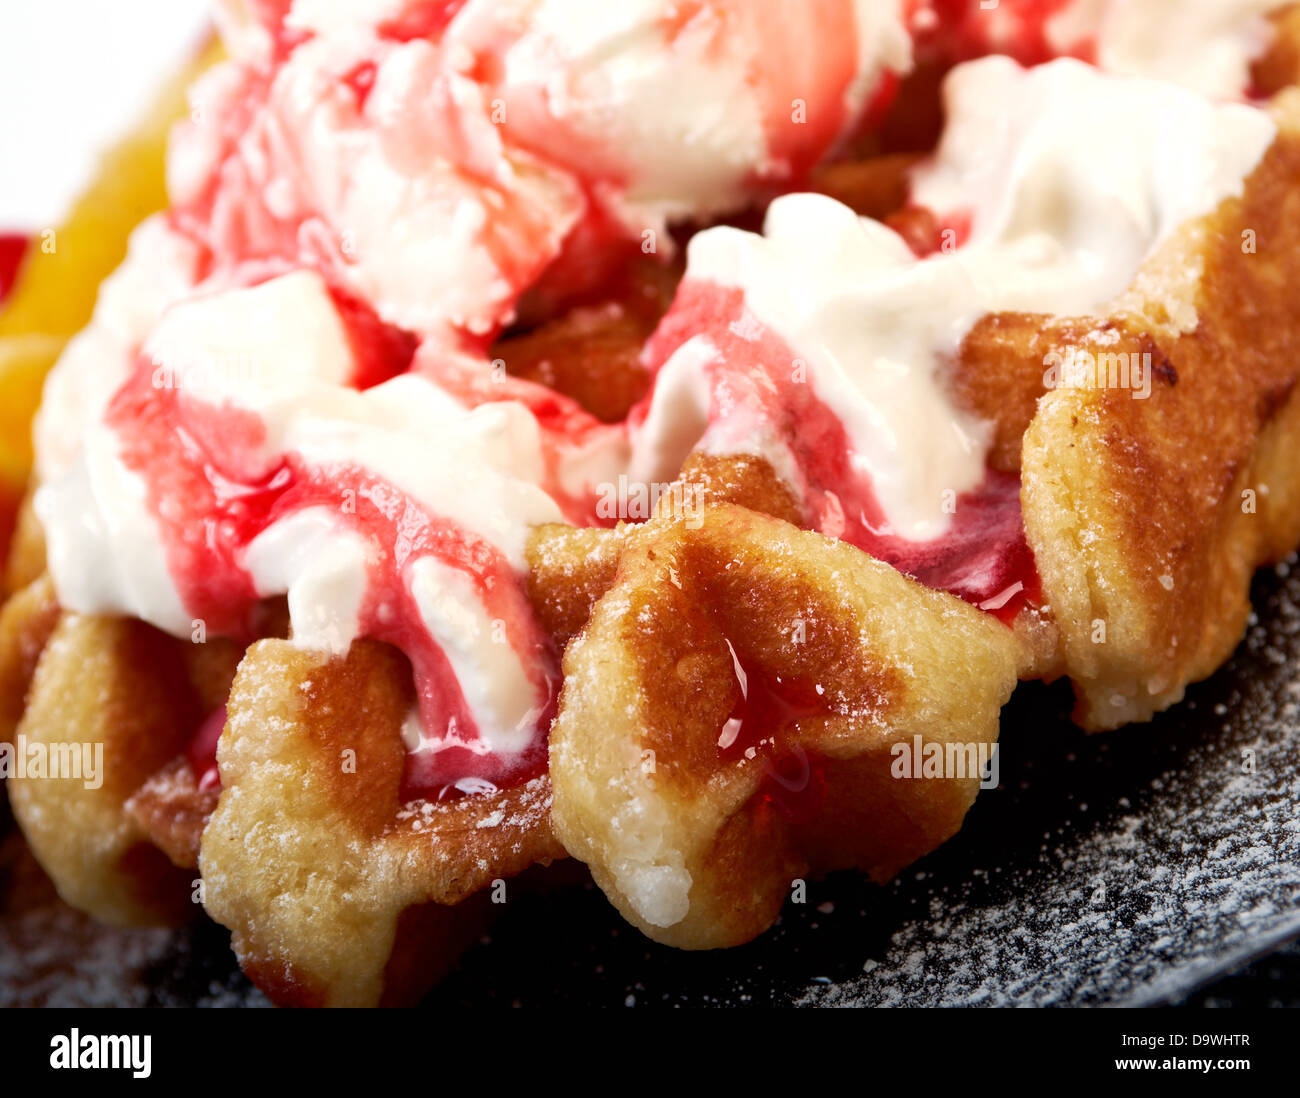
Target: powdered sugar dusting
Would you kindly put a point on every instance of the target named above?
(1117, 869)
(53, 956)
(1136, 898)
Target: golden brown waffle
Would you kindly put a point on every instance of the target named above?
(123, 686)
(26, 622)
(1278, 67)
(332, 886)
(312, 858)
(308, 854)
(337, 891)
(698, 841)
(1147, 517)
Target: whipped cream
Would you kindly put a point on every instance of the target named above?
(278, 353)
(439, 171)
(206, 444)
(1207, 45)
(211, 440)
(1069, 178)
(159, 269)
(684, 106)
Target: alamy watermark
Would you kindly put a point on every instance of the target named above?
(131, 1052)
(636, 500)
(81, 762)
(204, 375)
(938, 759)
(1080, 369)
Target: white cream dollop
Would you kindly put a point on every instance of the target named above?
(435, 172)
(1070, 177)
(678, 106)
(279, 353)
(1206, 45)
(478, 152)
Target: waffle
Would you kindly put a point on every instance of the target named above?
(737, 688)
(1148, 517)
(353, 896)
(123, 686)
(816, 662)
(317, 902)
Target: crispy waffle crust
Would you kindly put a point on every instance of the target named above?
(119, 694)
(1147, 516)
(1278, 67)
(337, 891)
(698, 844)
(698, 802)
(311, 857)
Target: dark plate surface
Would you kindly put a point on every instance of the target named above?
(1125, 869)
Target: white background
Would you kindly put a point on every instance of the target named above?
(73, 75)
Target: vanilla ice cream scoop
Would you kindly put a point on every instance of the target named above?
(437, 158)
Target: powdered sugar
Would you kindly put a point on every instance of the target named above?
(1118, 869)
(1132, 899)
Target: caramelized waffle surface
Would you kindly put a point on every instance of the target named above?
(326, 876)
(312, 858)
(122, 688)
(339, 892)
(1147, 516)
(734, 687)
(814, 661)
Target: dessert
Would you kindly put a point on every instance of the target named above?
(406, 524)
(730, 713)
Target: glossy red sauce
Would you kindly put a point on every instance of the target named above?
(213, 493)
(237, 231)
(959, 30)
(213, 497)
(361, 79)
(797, 139)
(950, 232)
(13, 248)
(769, 706)
(380, 350)
(879, 103)
(423, 20)
(983, 556)
(202, 752)
(285, 39)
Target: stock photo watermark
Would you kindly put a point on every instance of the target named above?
(633, 500)
(64, 761)
(922, 760)
(1080, 369)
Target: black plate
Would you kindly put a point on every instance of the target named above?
(1129, 869)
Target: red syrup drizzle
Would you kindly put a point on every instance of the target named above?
(286, 39)
(879, 103)
(984, 554)
(13, 248)
(797, 143)
(361, 79)
(794, 780)
(212, 494)
(942, 234)
(424, 20)
(962, 30)
(202, 752)
(380, 351)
